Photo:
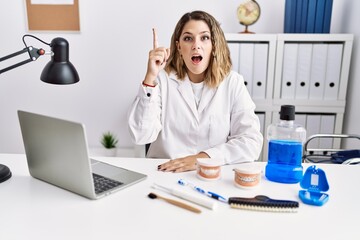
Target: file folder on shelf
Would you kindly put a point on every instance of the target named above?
(327, 126)
(303, 71)
(260, 70)
(318, 71)
(289, 71)
(333, 71)
(313, 122)
(319, 16)
(246, 63)
(290, 16)
(234, 55)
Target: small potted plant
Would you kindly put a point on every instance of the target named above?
(109, 141)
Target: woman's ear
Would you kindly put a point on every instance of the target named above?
(178, 46)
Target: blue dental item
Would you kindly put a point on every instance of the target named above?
(315, 182)
(202, 191)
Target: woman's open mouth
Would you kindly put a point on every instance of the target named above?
(196, 59)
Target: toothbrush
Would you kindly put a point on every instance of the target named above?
(202, 191)
(186, 196)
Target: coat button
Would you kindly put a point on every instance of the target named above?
(148, 94)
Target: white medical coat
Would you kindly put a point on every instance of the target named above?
(224, 125)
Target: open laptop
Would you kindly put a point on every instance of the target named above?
(57, 153)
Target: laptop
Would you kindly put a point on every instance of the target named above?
(57, 153)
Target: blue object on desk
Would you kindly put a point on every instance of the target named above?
(315, 182)
(202, 191)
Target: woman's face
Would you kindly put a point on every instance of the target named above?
(195, 47)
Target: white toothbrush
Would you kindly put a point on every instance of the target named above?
(189, 197)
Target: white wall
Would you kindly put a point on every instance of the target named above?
(110, 54)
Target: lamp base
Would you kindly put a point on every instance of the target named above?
(5, 173)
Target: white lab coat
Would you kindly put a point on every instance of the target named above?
(224, 125)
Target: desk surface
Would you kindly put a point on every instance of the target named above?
(32, 209)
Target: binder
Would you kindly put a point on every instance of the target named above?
(298, 16)
(246, 63)
(260, 70)
(304, 15)
(327, 125)
(290, 15)
(300, 118)
(313, 123)
(303, 71)
(319, 16)
(261, 117)
(327, 16)
(234, 55)
(310, 26)
(333, 71)
(318, 71)
(289, 70)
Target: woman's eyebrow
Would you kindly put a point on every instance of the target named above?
(203, 32)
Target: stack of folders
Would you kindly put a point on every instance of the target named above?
(307, 16)
(311, 71)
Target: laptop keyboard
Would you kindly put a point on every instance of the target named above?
(102, 184)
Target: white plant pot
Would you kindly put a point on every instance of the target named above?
(103, 152)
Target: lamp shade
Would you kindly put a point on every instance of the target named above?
(59, 70)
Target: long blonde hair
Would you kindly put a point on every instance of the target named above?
(220, 63)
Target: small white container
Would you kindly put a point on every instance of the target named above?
(208, 168)
(247, 175)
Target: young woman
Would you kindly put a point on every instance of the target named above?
(190, 104)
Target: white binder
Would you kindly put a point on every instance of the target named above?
(289, 71)
(234, 55)
(327, 126)
(261, 117)
(333, 71)
(300, 118)
(303, 71)
(318, 71)
(246, 63)
(260, 70)
(313, 123)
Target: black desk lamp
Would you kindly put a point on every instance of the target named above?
(58, 71)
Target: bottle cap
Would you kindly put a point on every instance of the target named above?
(287, 112)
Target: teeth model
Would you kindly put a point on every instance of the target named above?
(210, 172)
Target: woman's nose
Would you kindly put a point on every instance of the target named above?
(196, 45)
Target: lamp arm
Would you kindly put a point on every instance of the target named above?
(34, 54)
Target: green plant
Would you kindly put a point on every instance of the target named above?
(109, 140)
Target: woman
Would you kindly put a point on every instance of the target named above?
(190, 104)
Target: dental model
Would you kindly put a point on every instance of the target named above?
(208, 169)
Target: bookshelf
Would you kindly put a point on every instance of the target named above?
(309, 71)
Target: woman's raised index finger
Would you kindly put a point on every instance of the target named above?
(155, 41)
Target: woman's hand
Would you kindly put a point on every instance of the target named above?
(157, 60)
(184, 164)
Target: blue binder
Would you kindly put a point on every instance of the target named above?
(290, 16)
(319, 17)
(304, 15)
(298, 16)
(327, 16)
(310, 26)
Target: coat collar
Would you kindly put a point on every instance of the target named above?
(186, 91)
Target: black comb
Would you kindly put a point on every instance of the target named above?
(263, 203)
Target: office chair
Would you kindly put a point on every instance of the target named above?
(147, 146)
(331, 155)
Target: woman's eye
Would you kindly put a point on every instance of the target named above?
(187, 38)
(205, 37)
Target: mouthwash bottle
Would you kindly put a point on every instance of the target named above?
(285, 149)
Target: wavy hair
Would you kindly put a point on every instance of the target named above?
(220, 63)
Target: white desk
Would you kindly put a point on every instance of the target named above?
(32, 209)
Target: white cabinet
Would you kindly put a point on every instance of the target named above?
(309, 71)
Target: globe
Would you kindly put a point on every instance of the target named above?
(248, 13)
